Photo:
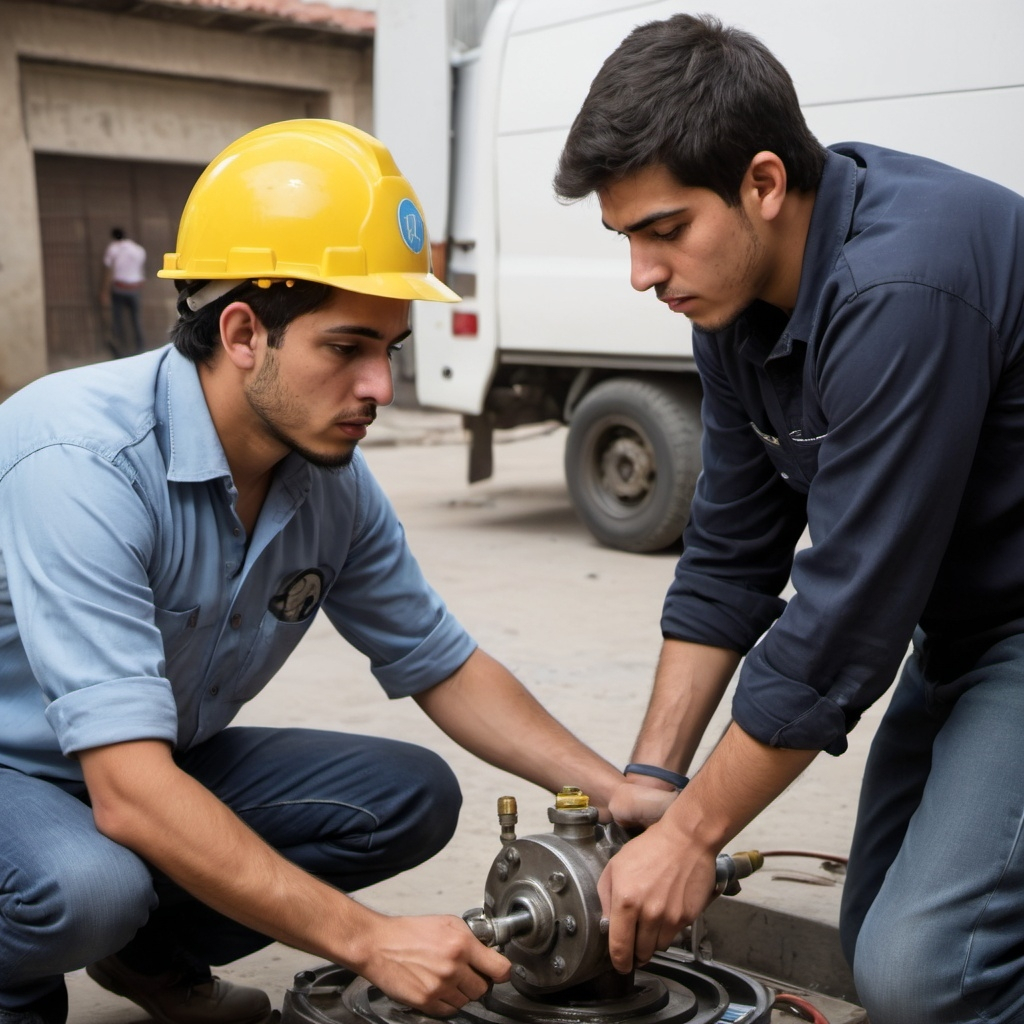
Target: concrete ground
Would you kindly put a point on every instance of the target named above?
(577, 622)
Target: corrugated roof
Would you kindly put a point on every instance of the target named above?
(284, 19)
(348, 19)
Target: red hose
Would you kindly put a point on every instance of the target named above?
(804, 853)
(801, 1007)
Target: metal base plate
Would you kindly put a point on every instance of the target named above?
(672, 989)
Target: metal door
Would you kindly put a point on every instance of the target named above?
(80, 200)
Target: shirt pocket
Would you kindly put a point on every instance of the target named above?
(794, 456)
(179, 630)
(274, 642)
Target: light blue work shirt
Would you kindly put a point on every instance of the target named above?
(131, 607)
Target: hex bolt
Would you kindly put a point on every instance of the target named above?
(602, 925)
(556, 881)
(569, 924)
(502, 868)
(512, 856)
(520, 971)
(558, 965)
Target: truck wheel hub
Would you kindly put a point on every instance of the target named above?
(627, 468)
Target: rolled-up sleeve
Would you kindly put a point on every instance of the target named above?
(77, 577)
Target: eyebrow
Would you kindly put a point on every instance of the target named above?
(367, 332)
(647, 221)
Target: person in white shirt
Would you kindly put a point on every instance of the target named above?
(124, 263)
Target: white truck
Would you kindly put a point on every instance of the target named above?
(475, 99)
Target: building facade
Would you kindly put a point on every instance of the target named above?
(106, 120)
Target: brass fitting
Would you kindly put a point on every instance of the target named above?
(571, 797)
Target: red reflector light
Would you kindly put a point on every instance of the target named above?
(464, 324)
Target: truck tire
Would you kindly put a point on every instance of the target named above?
(632, 459)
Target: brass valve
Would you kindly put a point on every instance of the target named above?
(508, 818)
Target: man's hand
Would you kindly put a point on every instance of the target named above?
(660, 881)
(637, 805)
(435, 964)
(651, 889)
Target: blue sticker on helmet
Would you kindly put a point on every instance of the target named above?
(410, 223)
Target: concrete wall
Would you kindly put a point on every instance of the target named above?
(82, 82)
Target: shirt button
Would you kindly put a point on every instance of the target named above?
(236, 621)
(236, 531)
(214, 690)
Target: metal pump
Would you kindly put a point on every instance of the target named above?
(540, 897)
(541, 905)
(542, 910)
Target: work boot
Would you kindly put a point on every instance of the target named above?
(50, 1009)
(186, 996)
(26, 1016)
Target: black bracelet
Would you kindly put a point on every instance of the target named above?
(672, 778)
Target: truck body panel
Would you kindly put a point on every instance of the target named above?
(549, 287)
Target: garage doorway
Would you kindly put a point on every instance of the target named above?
(80, 200)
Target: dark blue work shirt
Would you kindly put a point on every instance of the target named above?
(887, 415)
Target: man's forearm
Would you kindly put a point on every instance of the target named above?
(688, 688)
(485, 709)
(143, 801)
(740, 778)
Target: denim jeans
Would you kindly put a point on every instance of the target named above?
(352, 810)
(126, 304)
(933, 907)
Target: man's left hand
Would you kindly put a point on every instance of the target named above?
(638, 805)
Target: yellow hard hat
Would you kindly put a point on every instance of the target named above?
(313, 200)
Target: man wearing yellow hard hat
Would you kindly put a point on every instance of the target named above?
(171, 524)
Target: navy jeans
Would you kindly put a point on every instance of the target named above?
(933, 906)
(352, 810)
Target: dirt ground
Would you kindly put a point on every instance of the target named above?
(577, 622)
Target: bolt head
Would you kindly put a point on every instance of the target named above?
(558, 965)
(502, 871)
(556, 881)
(569, 925)
(520, 971)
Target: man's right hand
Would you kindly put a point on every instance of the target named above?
(434, 964)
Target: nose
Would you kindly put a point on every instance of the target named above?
(645, 268)
(375, 383)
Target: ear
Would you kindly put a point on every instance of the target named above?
(764, 185)
(239, 330)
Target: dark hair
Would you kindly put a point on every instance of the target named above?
(117, 234)
(196, 335)
(696, 97)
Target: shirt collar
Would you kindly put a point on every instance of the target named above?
(190, 439)
(829, 228)
(831, 222)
